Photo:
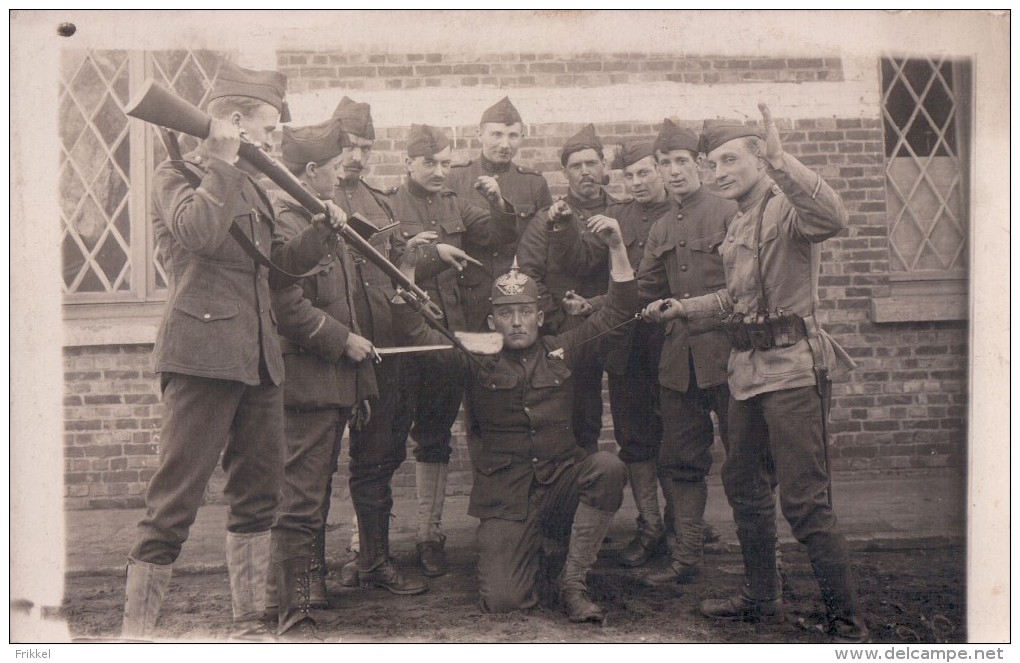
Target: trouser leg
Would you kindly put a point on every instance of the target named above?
(586, 418)
(746, 479)
(508, 562)
(197, 418)
(794, 418)
(684, 462)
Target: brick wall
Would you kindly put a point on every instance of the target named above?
(308, 70)
(904, 407)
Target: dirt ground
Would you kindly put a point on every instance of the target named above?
(908, 596)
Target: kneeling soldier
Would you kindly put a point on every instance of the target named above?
(531, 481)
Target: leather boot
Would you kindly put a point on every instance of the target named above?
(687, 548)
(297, 618)
(319, 595)
(143, 596)
(761, 599)
(648, 539)
(349, 571)
(586, 534)
(374, 566)
(248, 568)
(839, 594)
(431, 487)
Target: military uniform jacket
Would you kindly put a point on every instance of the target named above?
(315, 320)
(582, 257)
(535, 259)
(804, 212)
(521, 404)
(457, 221)
(375, 288)
(523, 188)
(682, 260)
(218, 319)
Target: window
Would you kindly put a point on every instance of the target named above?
(106, 160)
(925, 104)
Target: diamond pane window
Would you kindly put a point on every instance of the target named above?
(924, 113)
(105, 159)
(95, 187)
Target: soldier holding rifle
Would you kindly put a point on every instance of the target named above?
(217, 351)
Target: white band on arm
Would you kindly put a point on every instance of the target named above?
(621, 277)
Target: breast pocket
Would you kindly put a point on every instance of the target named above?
(328, 283)
(452, 232)
(708, 260)
(550, 375)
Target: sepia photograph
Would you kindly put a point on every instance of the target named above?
(438, 327)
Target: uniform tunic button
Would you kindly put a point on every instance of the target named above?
(679, 216)
(526, 409)
(683, 268)
(640, 243)
(682, 243)
(533, 432)
(534, 460)
(207, 316)
(495, 254)
(687, 295)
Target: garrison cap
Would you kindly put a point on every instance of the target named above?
(502, 112)
(424, 141)
(717, 132)
(357, 118)
(674, 137)
(631, 152)
(267, 86)
(316, 143)
(585, 139)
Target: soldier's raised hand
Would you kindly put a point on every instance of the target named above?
(606, 229)
(575, 304)
(223, 140)
(773, 145)
(489, 187)
(335, 218)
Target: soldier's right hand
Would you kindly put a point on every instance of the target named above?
(606, 229)
(661, 310)
(455, 257)
(559, 210)
(223, 140)
(358, 348)
(575, 304)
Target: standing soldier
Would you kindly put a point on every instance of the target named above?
(530, 481)
(632, 364)
(217, 351)
(501, 132)
(375, 452)
(423, 203)
(584, 166)
(682, 260)
(778, 369)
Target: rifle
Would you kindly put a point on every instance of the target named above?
(157, 105)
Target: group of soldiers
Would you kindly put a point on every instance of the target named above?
(692, 301)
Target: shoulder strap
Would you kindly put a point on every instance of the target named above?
(763, 304)
(381, 200)
(173, 150)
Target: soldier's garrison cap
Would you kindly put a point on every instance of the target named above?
(315, 143)
(514, 287)
(267, 86)
(502, 112)
(585, 139)
(357, 118)
(631, 152)
(674, 137)
(424, 141)
(719, 132)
